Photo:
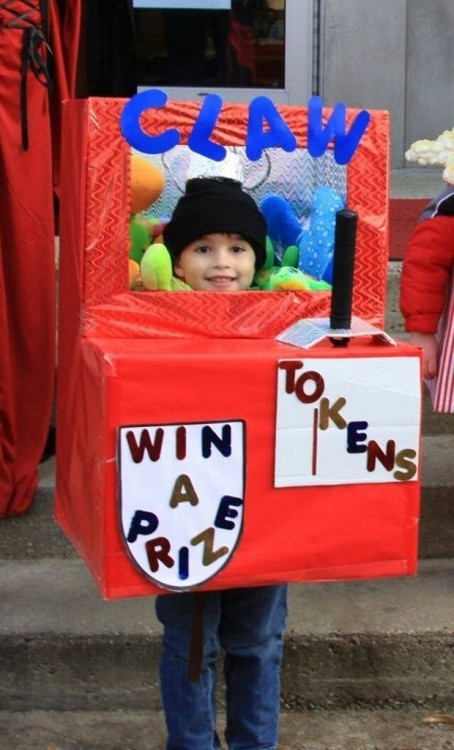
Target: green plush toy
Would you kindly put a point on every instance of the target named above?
(291, 256)
(285, 278)
(139, 237)
(156, 270)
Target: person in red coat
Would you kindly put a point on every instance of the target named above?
(426, 277)
(27, 253)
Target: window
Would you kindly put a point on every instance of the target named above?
(237, 48)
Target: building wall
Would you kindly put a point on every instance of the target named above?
(393, 54)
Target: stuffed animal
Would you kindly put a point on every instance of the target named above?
(134, 270)
(314, 243)
(147, 184)
(139, 237)
(282, 278)
(156, 270)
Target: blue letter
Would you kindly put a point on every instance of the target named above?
(227, 510)
(319, 137)
(130, 124)
(183, 563)
(209, 438)
(199, 139)
(278, 133)
(143, 522)
(355, 437)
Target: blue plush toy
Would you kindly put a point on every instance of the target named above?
(315, 242)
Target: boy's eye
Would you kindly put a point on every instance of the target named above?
(237, 249)
(202, 249)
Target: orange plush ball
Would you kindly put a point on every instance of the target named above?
(147, 184)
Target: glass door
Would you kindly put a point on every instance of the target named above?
(236, 48)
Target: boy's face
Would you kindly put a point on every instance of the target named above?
(218, 262)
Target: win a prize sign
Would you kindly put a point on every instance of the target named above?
(182, 497)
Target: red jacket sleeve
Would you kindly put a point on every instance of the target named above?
(427, 267)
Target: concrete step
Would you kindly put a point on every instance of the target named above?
(400, 729)
(370, 643)
(382, 642)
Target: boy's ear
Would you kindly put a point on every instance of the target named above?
(177, 271)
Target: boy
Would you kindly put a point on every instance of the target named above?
(216, 238)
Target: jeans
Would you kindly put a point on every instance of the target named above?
(248, 624)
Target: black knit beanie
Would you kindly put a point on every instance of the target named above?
(211, 205)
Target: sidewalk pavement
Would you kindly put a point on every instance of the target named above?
(403, 729)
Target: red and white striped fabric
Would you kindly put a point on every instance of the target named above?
(442, 387)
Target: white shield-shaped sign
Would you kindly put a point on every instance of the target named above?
(182, 498)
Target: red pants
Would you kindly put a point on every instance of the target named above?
(27, 268)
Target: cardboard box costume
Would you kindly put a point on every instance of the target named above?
(195, 450)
